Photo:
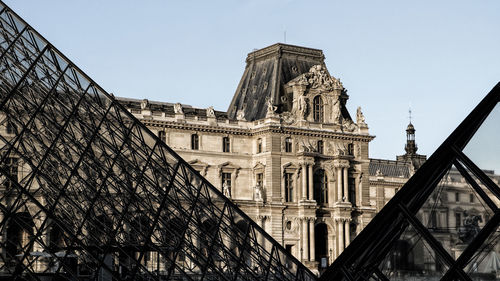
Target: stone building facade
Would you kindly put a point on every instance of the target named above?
(287, 151)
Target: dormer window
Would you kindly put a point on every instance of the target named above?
(195, 142)
(318, 109)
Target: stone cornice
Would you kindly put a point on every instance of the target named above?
(278, 129)
(386, 183)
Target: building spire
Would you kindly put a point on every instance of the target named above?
(411, 146)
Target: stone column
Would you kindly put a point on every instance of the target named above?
(311, 196)
(311, 239)
(339, 185)
(346, 191)
(340, 227)
(305, 249)
(347, 233)
(304, 181)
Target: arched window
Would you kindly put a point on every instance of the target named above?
(320, 187)
(195, 142)
(288, 144)
(318, 109)
(225, 144)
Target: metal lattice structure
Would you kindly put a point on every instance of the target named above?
(401, 229)
(89, 193)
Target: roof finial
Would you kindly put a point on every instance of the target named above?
(409, 111)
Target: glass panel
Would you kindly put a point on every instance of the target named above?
(485, 264)
(454, 213)
(412, 257)
(484, 148)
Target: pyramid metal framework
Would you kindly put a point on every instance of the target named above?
(89, 193)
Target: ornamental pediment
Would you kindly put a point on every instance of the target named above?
(317, 78)
(259, 166)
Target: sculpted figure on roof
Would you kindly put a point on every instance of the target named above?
(178, 108)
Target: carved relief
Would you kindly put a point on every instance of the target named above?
(319, 78)
(349, 126)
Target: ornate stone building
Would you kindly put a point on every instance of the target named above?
(287, 151)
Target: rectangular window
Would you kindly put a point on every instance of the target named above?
(458, 220)
(352, 191)
(195, 142)
(259, 145)
(320, 147)
(457, 197)
(471, 198)
(288, 187)
(350, 149)
(259, 179)
(288, 144)
(225, 144)
(433, 223)
(162, 136)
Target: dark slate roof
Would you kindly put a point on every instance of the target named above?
(389, 168)
(267, 71)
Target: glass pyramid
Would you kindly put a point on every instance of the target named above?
(87, 192)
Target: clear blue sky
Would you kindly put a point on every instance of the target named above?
(441, 57)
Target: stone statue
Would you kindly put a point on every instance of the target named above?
(226, 190)
(271, 109)
(144, 104)
(336, 111)
(240, 115)
(302, 107)
(211, 112)
(257, 193)
(360, 118)
(178, 108)
(470, 229)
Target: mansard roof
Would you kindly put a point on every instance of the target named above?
(389, 168)
(267, 71)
